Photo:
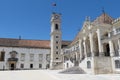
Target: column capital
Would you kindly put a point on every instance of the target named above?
(84, 38)
(91, 34)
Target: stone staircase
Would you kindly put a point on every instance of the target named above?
(73, 70)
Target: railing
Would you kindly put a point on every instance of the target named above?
(69, 51)
(12, 59)
(114, 32)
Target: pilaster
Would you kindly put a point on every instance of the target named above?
(111, 48)
(80, 46)
(84, 44)
(100, 46)
(91, 43)
(119, 46)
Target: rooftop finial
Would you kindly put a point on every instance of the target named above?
(103, 10)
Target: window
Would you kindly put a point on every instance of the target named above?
(67, 65)
(56, 47)
(22, 65)
(31, 57)
(56, 42)
(56, 52)
(40, 57)
(31, 65)
(48, 57)
(57, 58)
(47, 66)
(2, 56)
(22, 57)
(56, 26)
(40, 65)
(57, 36)
(88, 64)
(117, 64)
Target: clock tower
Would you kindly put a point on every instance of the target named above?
(56, 57)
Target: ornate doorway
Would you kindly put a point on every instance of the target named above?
(12, 65)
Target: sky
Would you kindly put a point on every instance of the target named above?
(30, 19)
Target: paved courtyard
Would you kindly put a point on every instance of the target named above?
(52, 75)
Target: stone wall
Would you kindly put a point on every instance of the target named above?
(103, 65)
(27, 52)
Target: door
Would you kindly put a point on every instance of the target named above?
(12, 66)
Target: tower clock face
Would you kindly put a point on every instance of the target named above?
(56, 16)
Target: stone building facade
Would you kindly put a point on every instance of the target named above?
(25, 54)
(96, 48)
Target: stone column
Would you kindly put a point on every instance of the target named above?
(91, 44)
(112, 54)
(84, 44)
(80, 48)
(119, 46)
(111, 48)
(99, 43)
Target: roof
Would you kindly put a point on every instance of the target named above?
(103, 18)
(8, 42)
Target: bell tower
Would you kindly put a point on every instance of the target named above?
(56, 57)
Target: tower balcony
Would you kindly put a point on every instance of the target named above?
(13, 59)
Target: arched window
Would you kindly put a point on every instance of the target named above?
(88, 64)
(56, 27)
(67, 65)
(117, 64)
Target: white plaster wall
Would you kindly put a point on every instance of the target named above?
(115, 70)
(27, 52)
(70, 64)
(83, 65)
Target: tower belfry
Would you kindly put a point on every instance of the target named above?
(56, 58)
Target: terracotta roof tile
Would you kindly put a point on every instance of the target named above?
(27, 43)
(104, 18)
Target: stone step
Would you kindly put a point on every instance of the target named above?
(73, 70)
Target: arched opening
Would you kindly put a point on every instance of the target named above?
(67, 65)
(56, 27)
(106, 49)
(88, 64)
(88, 47)
(95, 44)
(117, 64)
